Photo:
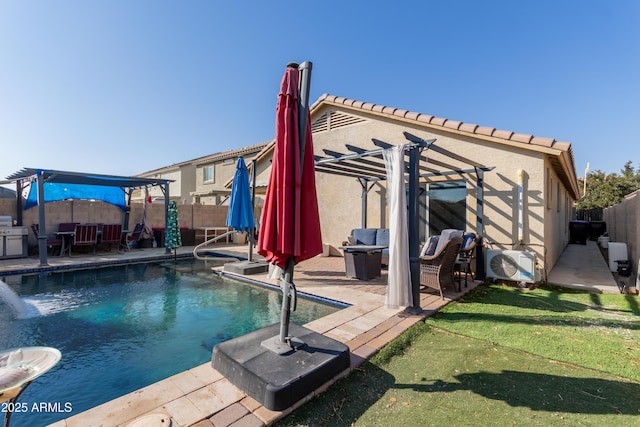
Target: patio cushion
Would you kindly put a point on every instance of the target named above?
(429, 248)
(467, 239)
(365, 236)
(446, 235)
(382, 237)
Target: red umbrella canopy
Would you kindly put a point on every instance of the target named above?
(290, 224)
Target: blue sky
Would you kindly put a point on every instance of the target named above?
(121, 87)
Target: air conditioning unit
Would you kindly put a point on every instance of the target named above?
(518, 266)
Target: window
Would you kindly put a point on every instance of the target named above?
(447, 206)
(208, 174)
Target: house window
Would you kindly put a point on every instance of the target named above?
(208, 174)
(447, 206)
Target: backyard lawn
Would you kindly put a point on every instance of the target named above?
(499, 356)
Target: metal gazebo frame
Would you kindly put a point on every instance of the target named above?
(127, 183)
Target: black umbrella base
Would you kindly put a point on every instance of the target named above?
(246, 267)
(278, 381)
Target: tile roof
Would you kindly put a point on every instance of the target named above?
(562, 152)
(447, 124)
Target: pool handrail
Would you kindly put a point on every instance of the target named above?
(212, 240)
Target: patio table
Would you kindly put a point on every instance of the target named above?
(18, 368)
(363, 262)
(64, 237)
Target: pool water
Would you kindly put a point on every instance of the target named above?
(123, 328)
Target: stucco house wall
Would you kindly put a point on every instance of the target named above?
(549, 184)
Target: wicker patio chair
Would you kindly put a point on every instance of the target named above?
(436, 271)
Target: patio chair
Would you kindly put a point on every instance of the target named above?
(111, 234)
(85, 235)
(135, 235)
(436, 271)
(52, 240)
(466, 255)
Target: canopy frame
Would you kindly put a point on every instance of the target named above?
(41, 176)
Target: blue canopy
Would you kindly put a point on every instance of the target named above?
(55, 191)
(240, 214)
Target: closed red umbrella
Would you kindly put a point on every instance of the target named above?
(290, 224)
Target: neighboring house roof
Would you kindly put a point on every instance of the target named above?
(232, 154)
(7, 193)
(209, 158)
(561, 153)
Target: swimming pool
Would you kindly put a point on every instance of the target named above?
(123, 328)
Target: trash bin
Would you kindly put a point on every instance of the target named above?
(578, 232)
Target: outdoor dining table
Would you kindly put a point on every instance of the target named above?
(18, 368)
(65, 237)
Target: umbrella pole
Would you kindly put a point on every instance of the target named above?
(286, 283)
(252, 231)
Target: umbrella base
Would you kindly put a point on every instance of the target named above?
(246, 267)
(278, 381)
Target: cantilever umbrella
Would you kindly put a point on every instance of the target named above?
(290, 224)
(240, 214)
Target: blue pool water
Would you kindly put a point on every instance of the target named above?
(123, 328)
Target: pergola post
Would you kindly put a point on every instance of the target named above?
(413, 218)
(42, 230)
(479, 224)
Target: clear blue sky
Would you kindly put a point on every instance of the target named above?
(121, 87)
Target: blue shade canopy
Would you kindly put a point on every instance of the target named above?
(240, 214)
(54, 191)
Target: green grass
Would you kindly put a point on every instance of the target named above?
(501, 356)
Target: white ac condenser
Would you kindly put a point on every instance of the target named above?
(518, 266)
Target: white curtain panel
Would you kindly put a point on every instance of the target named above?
(399, 282)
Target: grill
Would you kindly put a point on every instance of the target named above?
(13, 240)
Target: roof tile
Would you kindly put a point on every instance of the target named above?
(504, 134)
(561, 145)
(521, 137)
(468, 127)
(484, 130)
(539, 140)
(453, 124)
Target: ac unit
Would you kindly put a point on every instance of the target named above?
(518, 266)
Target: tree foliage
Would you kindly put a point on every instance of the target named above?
(607, 190)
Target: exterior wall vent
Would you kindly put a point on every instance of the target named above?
(334, 120)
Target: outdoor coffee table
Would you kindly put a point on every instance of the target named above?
(18, 368)
(363, 262)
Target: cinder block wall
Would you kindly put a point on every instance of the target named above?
(88, 212)
(623, 223)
